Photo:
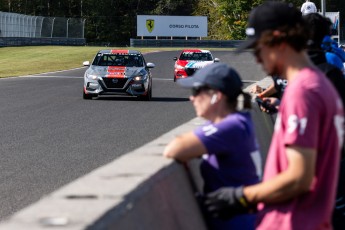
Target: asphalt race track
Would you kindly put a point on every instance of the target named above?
(51, 136)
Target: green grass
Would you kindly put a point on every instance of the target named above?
(19, 61)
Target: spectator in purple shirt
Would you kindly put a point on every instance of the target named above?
(226, 142)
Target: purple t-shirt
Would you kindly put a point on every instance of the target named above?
(233, 159)
(310, 116)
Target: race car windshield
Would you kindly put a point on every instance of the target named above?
(196, 56)
(128, 60)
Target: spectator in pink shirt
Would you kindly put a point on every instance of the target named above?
(301, 172)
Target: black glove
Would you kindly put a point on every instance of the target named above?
(228, 202)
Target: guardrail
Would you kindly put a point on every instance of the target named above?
(140, 190)
(26, 41)
(29, 41)
(184, 43)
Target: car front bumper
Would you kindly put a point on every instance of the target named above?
(116, 86)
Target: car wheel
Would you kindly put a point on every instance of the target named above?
(148, 96)
(174, 79)
(87, 96)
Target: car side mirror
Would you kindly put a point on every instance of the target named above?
(175, 58)
(216, 60)
(150, 65)
(86, 63)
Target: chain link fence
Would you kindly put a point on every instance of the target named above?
(19, 26)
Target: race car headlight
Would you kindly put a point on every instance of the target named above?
(91, 76)
(179, 67)
(139, 78)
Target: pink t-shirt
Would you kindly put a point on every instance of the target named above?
(310, 116)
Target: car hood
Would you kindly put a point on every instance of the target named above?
(116, 71)
(194, 64)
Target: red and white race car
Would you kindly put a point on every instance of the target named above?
(190, 60)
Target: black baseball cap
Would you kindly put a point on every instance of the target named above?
(269, 16)
(217, 76)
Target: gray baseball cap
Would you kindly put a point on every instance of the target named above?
(217, 76)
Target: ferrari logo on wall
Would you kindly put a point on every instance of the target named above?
(150, 24)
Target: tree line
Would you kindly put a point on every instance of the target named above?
(114, 21)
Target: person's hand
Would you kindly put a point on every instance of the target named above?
(256, 89)
(228, 202)
(270, 105)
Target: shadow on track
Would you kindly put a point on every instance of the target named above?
(128, 98)
(169, 99)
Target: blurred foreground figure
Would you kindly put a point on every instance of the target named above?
(308, 7)
(226, 143)
(301, 171)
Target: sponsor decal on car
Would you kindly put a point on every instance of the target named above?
(197, 65)
(119, 51)
(115, 72)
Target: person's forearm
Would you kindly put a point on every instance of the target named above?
(276, 190)
(184, 147)
(268, 92)
(295, 180)
(172, 150)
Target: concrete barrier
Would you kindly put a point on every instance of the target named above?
(140, 190)
(263, 122)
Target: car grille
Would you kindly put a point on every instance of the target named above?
(113, 84)
(190, 71)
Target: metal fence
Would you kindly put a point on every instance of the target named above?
(184, 43)
(19, 25)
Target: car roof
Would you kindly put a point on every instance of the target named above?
(196, 51)
(115, 51)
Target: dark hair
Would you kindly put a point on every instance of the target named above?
(319, 26)
(247, 101)
(297, 36)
